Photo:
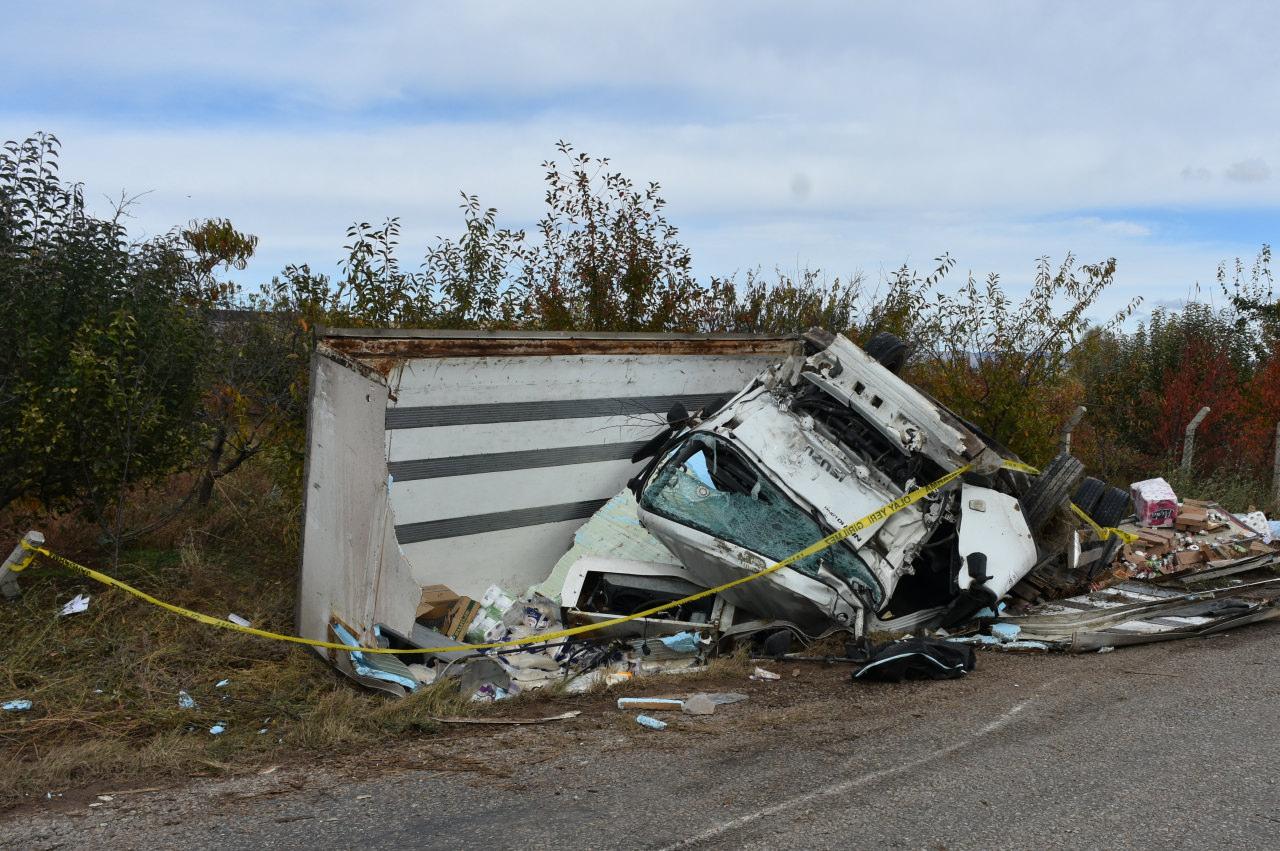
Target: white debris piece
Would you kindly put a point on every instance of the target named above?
(77, 604)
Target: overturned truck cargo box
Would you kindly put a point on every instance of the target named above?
(469, 459)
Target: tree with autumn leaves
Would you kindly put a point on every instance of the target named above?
(1143, 386)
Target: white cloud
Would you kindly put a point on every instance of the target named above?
(848, 136)
(1249, 171)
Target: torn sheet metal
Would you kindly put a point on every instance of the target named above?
(382, 667)
(1230, 567)
(1135, 614)
(598, 589)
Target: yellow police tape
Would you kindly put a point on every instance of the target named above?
(1010, 464)
(1104, 532)
(835, 537)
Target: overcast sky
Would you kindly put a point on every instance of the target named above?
(845, 136)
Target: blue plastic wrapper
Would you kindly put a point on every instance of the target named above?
(651, 722)
(682, 642)
(1005, 631)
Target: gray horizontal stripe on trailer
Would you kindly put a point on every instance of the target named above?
(427, 416)
(478, 524)
(497, 462)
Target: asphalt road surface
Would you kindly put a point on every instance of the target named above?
(1170, 746)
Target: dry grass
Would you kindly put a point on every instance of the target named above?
(105, 683)
(1234, 490)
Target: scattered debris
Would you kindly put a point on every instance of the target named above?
(682, 642)
(1005, 631)
(217, 729)
(650, 722)
(990, 641)
(424, 675)
(239, 621)
(222, 683)
(1138, 614)
(698, 704)
(77, 604)
(16, 705)
(650, 703)
(762, 674)
(564, 716)
(380, 667)
(186, 701)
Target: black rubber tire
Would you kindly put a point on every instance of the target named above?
(1088, 494)
(1051, 489)
(1111, 508)
(889, 350)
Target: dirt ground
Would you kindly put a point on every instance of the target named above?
(999, 757)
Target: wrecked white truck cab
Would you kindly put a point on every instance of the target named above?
(812, 445)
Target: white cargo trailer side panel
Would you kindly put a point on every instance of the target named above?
(493, 448)
(352, 569)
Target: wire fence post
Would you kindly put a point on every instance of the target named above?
(1064, 440)
(1189, 442)
(1275, 475)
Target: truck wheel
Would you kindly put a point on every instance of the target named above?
(1112, 507)
(889, 350)
(1088, 494)
(1051, 489)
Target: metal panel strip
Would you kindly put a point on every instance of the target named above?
(428, 416)
(478, 524)
(497, 462)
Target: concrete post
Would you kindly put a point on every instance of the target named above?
(18, 561)
(1275, 476)
(1064, 441)
(1189, 442)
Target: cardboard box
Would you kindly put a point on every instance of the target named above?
(1155, 543)
(1191, 517)
(461, 615)
(1154, 502)
(1185, 558)
(435, 603)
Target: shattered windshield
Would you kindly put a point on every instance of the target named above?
(706, 485)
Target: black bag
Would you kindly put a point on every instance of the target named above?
(917, 659)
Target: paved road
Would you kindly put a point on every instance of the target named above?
(1171, 746)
